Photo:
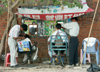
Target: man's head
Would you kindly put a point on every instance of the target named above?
(58, 26)
(74, 19)
(23, 27)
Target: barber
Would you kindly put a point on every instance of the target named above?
(73, 28)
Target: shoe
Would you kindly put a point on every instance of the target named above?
(14, 66)
(76, 64)
(69, 66)
(24, 62)
(56, 59)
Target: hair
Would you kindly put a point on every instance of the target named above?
(75, 18)
(27, 36)
(58, 26)
(24, 26)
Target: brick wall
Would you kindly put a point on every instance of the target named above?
(84, 22)
(3, 24)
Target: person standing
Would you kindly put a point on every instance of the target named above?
(13, 36)
(73, 28)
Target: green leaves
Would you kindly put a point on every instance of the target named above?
(1, 11)
(41, 11)
(12, 0)
(48, 9)
(41, 0)
(57, 3)
(4, 5)
(54, 1)
(69, 3)
(78, 3)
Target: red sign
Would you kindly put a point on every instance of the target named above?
(54, 17)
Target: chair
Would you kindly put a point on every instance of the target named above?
(58, 47)
(7, 59)
(87, 58)
(91, 49)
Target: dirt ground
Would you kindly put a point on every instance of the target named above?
(44, 68)
(40, 67)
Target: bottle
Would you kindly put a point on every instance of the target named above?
(28, 61)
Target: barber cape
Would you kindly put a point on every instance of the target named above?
(27, 41)
(24, 46)
(49, 51)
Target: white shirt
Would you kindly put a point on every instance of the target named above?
(73, 28)
(60, 33)
(15, 31)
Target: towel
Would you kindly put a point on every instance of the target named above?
(90, 43)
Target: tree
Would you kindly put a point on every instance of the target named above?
(11, 4)
(70, 3)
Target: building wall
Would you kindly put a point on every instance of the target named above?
(84, 23)
(3, 23)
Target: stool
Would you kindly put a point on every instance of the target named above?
(7, 59)
(87, 58)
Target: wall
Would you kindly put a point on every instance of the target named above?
(84, 22)
(3, 23)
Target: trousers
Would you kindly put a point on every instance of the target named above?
(12, 46)
(73, 50)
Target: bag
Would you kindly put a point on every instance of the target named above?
(24, 46)
(59, 39)
(93, 68)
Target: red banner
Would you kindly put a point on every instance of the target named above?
(55, 16)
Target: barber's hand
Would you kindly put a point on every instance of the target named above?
(22, 37)
(48, 43)
(62, 27)
(26, 34)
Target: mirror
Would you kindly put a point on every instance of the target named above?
(33, 29)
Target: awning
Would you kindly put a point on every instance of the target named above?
(55, 12)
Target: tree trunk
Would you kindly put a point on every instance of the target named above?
(7, 29)
(14, 22)
(9, 23)
(2, 42)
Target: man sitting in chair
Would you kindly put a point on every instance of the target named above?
(32, 54)
(58, 27)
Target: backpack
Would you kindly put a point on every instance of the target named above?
(58, 39)
(93, 68)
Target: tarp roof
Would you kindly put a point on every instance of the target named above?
(54, 12)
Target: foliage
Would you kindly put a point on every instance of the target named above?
(70, 3)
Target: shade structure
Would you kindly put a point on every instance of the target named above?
(54, 12)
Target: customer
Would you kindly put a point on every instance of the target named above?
(31, 55)
(58, 26)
